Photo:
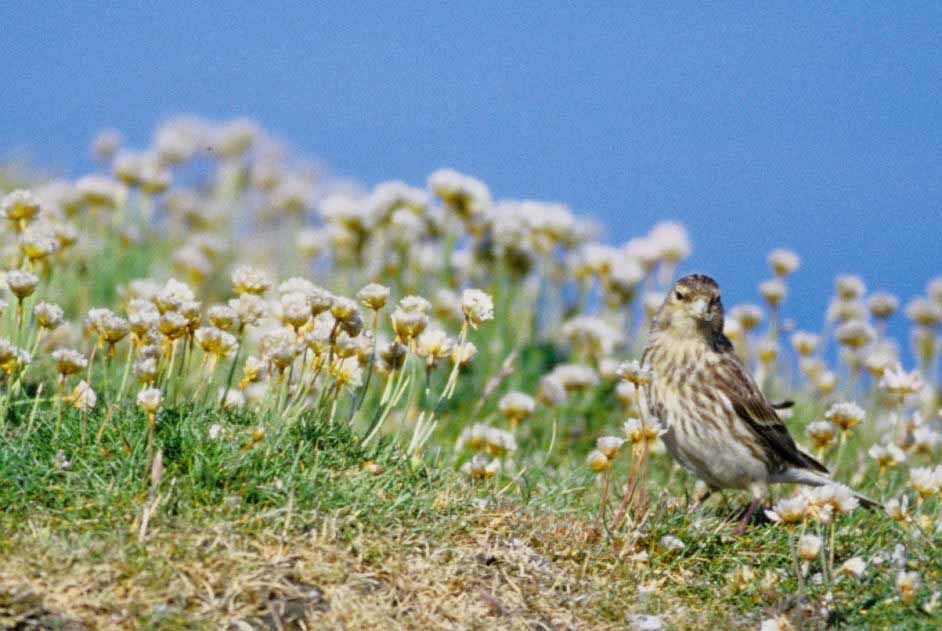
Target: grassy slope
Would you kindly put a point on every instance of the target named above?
(307, 524)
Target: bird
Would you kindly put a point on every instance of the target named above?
(719, 424)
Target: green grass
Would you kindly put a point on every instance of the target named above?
(383, 509)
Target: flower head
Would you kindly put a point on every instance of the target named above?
(809, 546)
(249, 280)
(882, 305)
(478, 307)
(643, 431)
(83, 398)
(150, 399)
(822, 434)
(783, 262)
(609, 445)
(598, 461)
(899, 382)
(907, 583)
(19, 206)
(846, 415)
(926, 481)
(22, 283)
(887, 457)
(373, 296)
(853, 567)
(748, 316)
(634, 373)
(48, 316)
(68, 361)
(773, 290)
(516, 406)
(789, 510)
(805, 343)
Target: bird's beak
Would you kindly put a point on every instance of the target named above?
(699, 307)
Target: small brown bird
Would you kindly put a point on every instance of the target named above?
(719, 424)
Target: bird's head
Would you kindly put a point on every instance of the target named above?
(692, 306)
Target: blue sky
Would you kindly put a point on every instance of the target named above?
(813, 126)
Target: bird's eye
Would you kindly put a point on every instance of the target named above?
(678, 295)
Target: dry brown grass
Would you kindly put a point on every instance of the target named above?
(237, 577)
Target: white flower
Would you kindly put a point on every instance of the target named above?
(609, 445)
(149, 399)
(773, 290)
(805, 343)
(551, 391)
(215, 430)
(234, 398)
(83, 398)
(671, 544)
(48, 315)
(479, 468)
(789, 510)
(22, 282)
(748, 316)
(854, 567)
(779, 623)
(898, 509)
(882, 304)
(907, 583)
(373, 296)
(576, 376)
(633, 372)
(670, 241)
(19, 205)
(249, 280)
(925, 440)
(926, 481)
(881, 357)
(783, 261)
(479, 437)
(809, 546)
(888, 456)
(433, 344)
(466, 196)
(638, 430)
(598, 461)
(836, 497)
(899, 382)
(645, 622)
(845, 415)
(850, 287)
(922, 311)
(516, 405)
(478, 307)
(69, 361)
(172, 295)
(855, 334)
(822, 434)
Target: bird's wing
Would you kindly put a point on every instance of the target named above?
(759, 415)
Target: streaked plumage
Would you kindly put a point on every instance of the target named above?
(719, 424)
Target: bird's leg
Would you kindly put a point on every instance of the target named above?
(753, 505)
(759, 492)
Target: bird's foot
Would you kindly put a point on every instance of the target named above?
(750, 515)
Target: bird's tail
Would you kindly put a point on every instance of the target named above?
(812, 478)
